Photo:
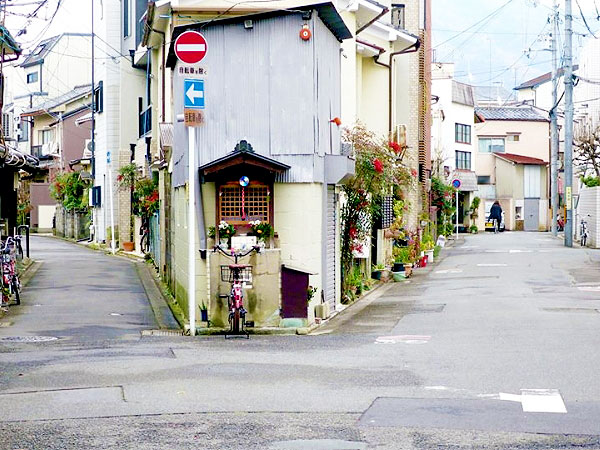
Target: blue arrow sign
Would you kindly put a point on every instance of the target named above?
(193, 94)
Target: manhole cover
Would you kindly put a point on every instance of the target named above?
(27, 338)
(319, 444)
(162, 333)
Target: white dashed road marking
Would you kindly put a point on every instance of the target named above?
(404, 339)
(538, 400)
(449, 271)
(492, 265)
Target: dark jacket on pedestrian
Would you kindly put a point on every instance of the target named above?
(496, 212)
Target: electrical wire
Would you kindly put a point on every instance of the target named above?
(489, 16)
(585, 21)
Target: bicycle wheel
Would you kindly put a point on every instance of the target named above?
(235, 324)
(583, 239)
(145, 243)
(16, 288)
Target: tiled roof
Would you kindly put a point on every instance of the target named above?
(520, 159)
(79, 91)
(542, 79)
(511, 113)
(462, 93)
(44, 47)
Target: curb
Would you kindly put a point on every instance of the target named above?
(163, 314)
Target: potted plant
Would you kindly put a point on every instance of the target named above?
(226, 231)
(376, 271)
(203, 312)
(262, 230)
(428, 244)
(473, 229)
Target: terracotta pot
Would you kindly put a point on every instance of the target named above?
(128, 246)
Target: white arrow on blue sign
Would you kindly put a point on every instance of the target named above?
(107, 157)
(193, 94)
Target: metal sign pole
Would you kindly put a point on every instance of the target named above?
(113, 244)
(192, 229)
(457, 214)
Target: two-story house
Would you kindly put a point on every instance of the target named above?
(454, 153)
(512, 165)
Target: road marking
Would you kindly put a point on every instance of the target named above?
(496, 251)
(404, 339)
(492, 265)
(537, 400)
(589, 288)
(520, 251)
(449, 271)
(543, 400)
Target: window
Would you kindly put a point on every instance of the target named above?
(99, 98)
(463, 160)
(32, 77)
(462, 133)
(484, 179)
(513, 137)
(126, 26)
(23, 130)
(6, 126)
(257, 205)
(45, 136)
(491, 145)
(39, 49)
(398, 16)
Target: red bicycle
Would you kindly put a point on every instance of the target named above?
(237, 275)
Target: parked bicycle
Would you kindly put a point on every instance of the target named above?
(583, 232)
(236, 274)
(145, 235)
(10, 286)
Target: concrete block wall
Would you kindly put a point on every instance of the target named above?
(589, 209)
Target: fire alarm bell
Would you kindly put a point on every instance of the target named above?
(305, 33)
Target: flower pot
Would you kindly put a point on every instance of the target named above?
(376, 274)
(204, 315)
(398, 267)
(423, 261)
(399, 276)
(128, 246)
(429, 254)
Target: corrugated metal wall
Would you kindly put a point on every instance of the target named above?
(273, 89)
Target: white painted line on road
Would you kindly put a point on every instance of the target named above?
(536, 400)
(496, 251)
(115, 314)
(589, 288)
(449, 271)
(404, 339)
(492, 265)
(520, 251)
(470, 246)
(543, 400)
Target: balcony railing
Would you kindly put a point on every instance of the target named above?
(145, 121)
(41, 151)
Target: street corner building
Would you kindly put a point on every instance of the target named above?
(267, 93)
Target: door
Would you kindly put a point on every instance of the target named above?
(294, 290)
(532, 214)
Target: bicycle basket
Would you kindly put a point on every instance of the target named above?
(244, 273)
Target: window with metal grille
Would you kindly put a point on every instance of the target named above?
(256, 203)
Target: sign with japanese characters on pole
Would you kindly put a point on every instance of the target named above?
(190, 49)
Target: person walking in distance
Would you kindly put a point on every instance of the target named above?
(496, 215)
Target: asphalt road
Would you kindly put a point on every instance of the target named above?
(494, 347)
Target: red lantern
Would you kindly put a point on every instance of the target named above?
(305, 33)
(336, 120)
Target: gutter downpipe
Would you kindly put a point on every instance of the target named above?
(383, 12)
(412, 48)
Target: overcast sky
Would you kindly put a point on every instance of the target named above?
(506, 45)
(509, 46)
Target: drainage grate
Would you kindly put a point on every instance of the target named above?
(162, 333)
(425, 309)
(575, 310)
(27, 339)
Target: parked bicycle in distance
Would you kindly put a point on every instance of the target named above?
(10, 286)
(583, 232)
(237, 275)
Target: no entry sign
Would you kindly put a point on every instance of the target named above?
(190, 47)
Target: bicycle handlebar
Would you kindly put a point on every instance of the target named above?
(218, 248)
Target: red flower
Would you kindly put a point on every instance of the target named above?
(378, 165)
(413, 172)
(395, 146)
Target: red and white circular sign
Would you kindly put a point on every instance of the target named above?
(190, 47)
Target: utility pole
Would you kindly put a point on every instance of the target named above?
(554, 141)
(568, 123)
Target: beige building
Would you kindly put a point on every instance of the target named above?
(513, 154)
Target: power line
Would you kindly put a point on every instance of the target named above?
(489, 16)
(585, 21)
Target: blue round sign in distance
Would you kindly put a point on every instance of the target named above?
(244, 181)
(456, 183)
